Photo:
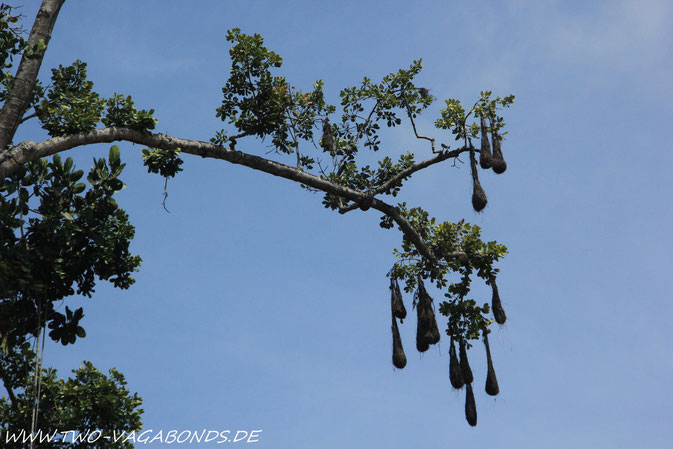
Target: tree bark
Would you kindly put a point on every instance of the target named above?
(18, 98)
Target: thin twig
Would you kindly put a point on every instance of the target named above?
(413, 125)
(442, 156)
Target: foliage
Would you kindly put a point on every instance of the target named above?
(164, 162)
(122, 112)
(465, 318)
(12, 44)
(57, 237)
(71, 105)
(85, 402)
(260, 104)
(11, 39)
(454, 118)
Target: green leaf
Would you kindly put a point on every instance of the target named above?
(115, 155)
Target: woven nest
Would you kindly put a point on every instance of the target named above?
(479, 199)
(498, 163)
(397, 304)
(427, 332)
(327, 140)
(464, 363)
(492, 387)
(455, 372)
(470, 406)
(485, 158)
(399, 358)
(496, 304)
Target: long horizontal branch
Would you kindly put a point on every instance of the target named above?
(29, 151)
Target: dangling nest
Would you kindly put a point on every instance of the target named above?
(422, 328)
(498, 163)
(496, 304)
(470, 406)
(485, 158)
(478, 196)
(465, 364)
(421, 343)
(455, 372)
(492, 387)
(427, 332)
(366, 203)
(399, 358)
(327, 140)
(397, 304)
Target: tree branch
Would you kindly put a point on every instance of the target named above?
(29, 151)
(413, 125)
(406, 227)
(28, 117)
(18, 99)
(10, 392)
(442, 156)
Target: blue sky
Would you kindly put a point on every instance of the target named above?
(256, 308)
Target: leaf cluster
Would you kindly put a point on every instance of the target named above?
(261, 104)
(71, 106)
(66, 328)
(87, 401)
(164, 162)
(56, 238)
(455, 118)
(366, 178)
(365, 108)
(369, 104)
(12, 42)
(121, 112)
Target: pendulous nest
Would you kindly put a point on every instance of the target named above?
(427, 332)
(485, 158)
(479, 199)
(455, 372)
(492, 387)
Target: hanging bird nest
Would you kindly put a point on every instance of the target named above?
(470, 406)
(498, 163)
(327, 140)
(455, 372)
(396, 301)
(427, 332)
(492, 387)
(479, 199)
(485, 158)
(399, 358)
(464, 363)
(496, 304)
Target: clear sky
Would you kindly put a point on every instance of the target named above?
(256, 308)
